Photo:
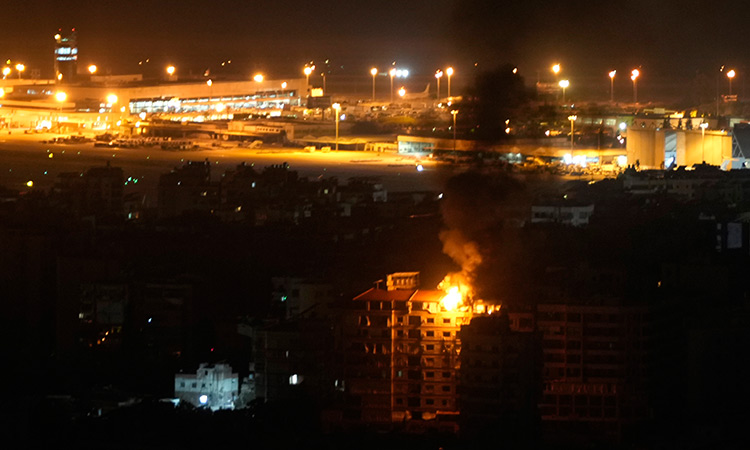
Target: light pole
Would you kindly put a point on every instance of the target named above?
(556, 69)
(60, 96)
(20, 68)
(612, 86)
(731, 74)
(634, 76)
(449, 72)
(392, 73)
(337, 110)
(307, 71)
(258, 78)
(170, 72)
(572, 129)
(454, 113)
(374, 73)
(92, 69)
(438, 76)
(564, 85)
(703, 126)
(209, 83)
(112, 100)
(6, 72)
(323, 74)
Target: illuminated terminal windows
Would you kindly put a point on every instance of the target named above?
(236, 102)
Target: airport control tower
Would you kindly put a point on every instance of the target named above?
(66, 56)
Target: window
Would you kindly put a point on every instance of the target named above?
(446, 334)
(429, 375)
(429, 401)
(429, 347)
(447, 321)
(445, 388)
(444, 402)
(446, 374)
(430, 320)
(415, 320)
(182, 384)
(430, 334)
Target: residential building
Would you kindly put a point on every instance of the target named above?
(212, 386)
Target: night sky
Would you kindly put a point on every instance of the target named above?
(670, 40)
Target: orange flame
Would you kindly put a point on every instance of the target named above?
(456, 292)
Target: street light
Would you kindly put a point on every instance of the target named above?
(556, 69)
(374, 73)
(402, 92)
(438, 76)
(92, 69)
(564, 85)
(170, 71)
(20, 68)
(454, 113)
(612, 85)
(731, 74)
(258, 77)
(6, 71)
(634, 76)
(392, 74)
(112, 100)
(572, 119)
(337, 109)
(60, 96)
(307, 71)
(703, 126)
(449, 72)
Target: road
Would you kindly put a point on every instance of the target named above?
(24, 158)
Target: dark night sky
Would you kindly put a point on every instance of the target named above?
(671, 40)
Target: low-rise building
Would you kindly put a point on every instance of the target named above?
(213, 386)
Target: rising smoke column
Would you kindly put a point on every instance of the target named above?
(479, 209)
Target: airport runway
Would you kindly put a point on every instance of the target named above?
(24, 158)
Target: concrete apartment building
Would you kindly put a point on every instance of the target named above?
(401, 356)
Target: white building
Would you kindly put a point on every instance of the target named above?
(566, 214)
(213, 386)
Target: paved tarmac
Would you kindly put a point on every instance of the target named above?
(23, 158)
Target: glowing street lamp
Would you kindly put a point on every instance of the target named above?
(556, 69)
(392, 73)
(307, 71)
(634, 76)
(572, 119)
(731, 74)
(564, 84)
(402, 92)
(6, 71)
(60, 96)
(258, 77)
(449, 72)
(374, 73)
(454, 113)
(438, 76)
(92, 69)
(112, 99)
(703, 126)
(612, 85)
(20, 68)
(170, 71)
(337, 110)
